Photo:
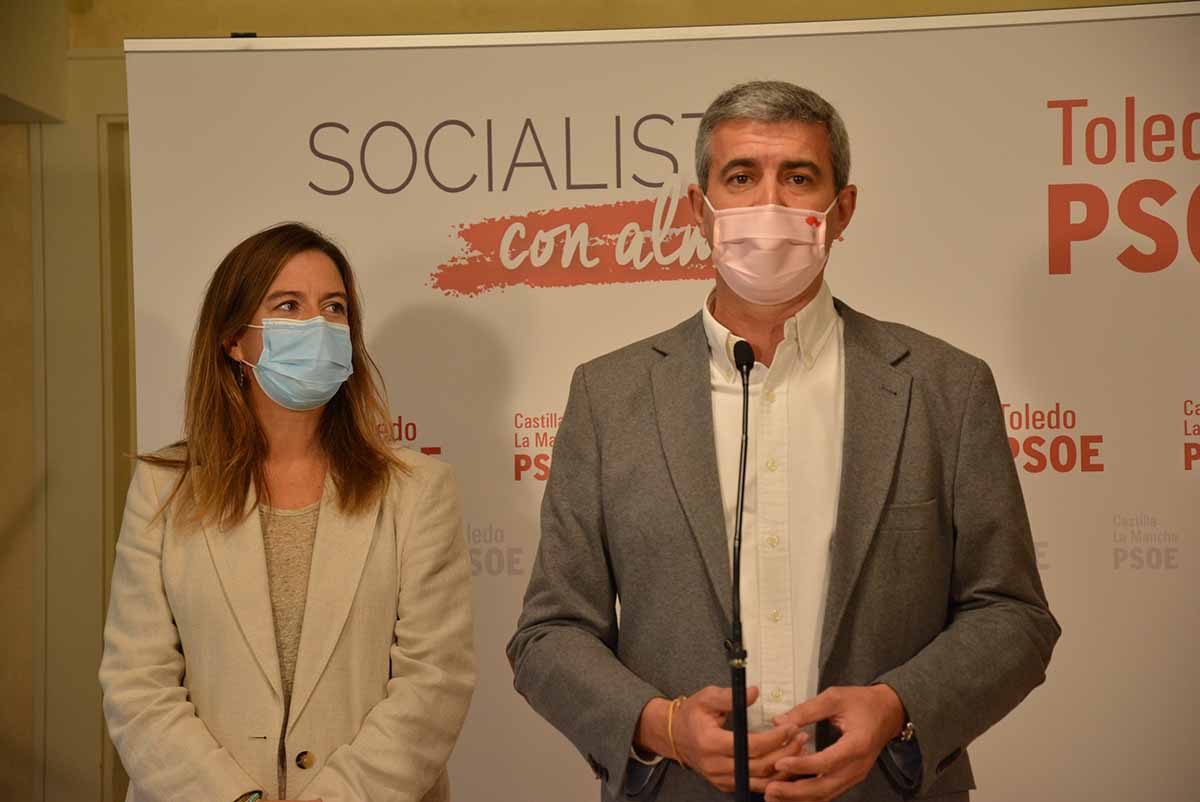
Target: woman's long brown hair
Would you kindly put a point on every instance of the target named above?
(224, 453)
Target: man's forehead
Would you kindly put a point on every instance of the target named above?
(738, 132)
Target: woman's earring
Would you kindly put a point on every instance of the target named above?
(241, 375)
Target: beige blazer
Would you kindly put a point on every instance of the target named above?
(385, 672)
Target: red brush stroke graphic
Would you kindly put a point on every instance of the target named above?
(616, 243)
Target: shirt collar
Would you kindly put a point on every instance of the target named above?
(809, 329)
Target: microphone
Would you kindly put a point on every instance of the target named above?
(743, 359)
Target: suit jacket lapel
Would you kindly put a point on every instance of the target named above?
(241, 564)
(683, 409)
(339, 556)
(876, 411)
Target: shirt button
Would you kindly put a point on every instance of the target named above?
(776, 695)
(772, 541)
(775, 616)
(770, 396)
(772, 465)
(305, 760)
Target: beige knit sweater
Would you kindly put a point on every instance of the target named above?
(288, 537)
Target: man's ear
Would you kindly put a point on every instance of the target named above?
(847, 201)
(696, 204)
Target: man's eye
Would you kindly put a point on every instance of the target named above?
(798, 179)
(741, 178)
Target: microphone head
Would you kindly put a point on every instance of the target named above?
(743, 356)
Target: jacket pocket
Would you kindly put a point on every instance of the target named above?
(919, 517)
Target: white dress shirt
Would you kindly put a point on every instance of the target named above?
(793, 476)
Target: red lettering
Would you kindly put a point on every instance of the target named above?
(1191, 455)
(1066, 106)
(538, 463)
(1062, 453)
(1130, 128)
(1166, 241)
(1187, 133)
(1110, 140)
(1033, 449)
(1089, 447)
(1150, 138)
(521, 464)
(403, 431)
(1062, 231)
(1193, 224)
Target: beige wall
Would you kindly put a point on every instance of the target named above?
(104, 24)
(33, 39)
(16, 476)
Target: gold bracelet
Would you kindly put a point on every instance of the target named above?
(676, 702)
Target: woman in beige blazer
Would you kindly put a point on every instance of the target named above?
(290, 609)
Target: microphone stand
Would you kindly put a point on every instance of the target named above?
(736, 650)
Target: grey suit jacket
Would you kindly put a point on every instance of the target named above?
(933, 589)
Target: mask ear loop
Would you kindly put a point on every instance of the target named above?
(243, 364)
(833, 203)
(712, 221)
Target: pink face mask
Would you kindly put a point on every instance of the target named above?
(768, 254)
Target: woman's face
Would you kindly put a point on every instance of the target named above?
(307, 286)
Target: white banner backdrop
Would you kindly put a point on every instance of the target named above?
(1029, 190)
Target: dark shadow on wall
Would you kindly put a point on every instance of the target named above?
(450, 371)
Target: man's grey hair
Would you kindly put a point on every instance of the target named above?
(774, 102)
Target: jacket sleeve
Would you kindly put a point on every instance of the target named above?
(1000, 632)
(563, 652)
(401, 750)
(167, 750)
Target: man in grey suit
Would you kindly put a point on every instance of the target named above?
(892, 604)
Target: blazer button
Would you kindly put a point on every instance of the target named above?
(305, 760)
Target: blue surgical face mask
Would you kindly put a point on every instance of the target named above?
(303, 362)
